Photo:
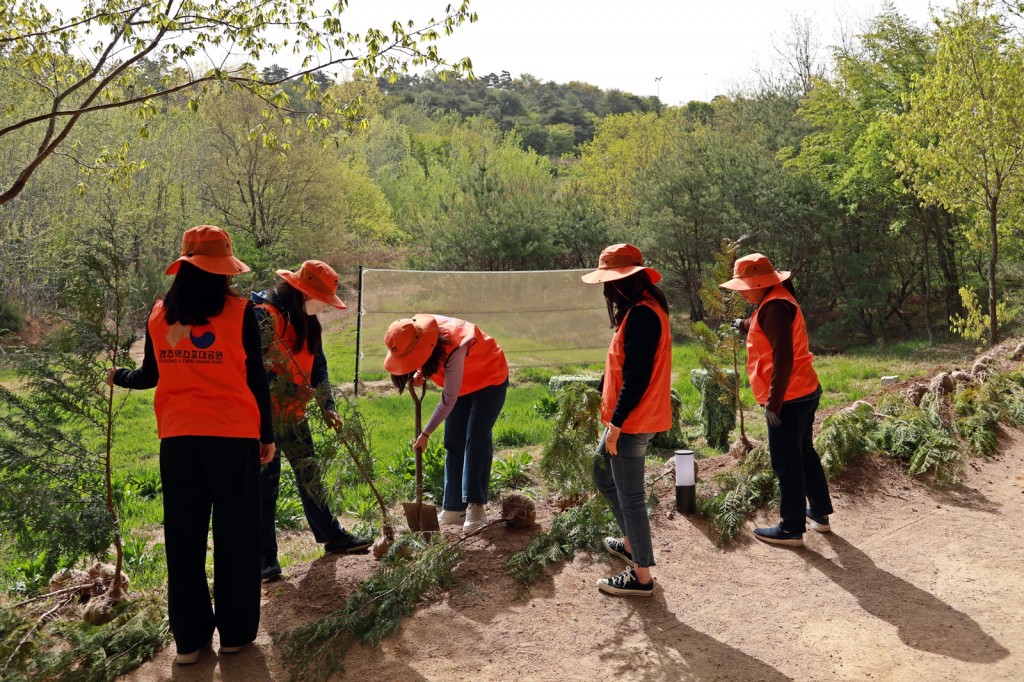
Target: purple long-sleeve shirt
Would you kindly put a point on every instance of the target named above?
(453, 369)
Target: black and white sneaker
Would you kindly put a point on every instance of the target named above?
(617, 547)
(818, 523)
(626, 584)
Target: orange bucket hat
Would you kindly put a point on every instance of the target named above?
(754, 272)
(317, 280)
(618, 262)
(208, 248)
(410, 342)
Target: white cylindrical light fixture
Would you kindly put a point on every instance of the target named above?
(686, 482)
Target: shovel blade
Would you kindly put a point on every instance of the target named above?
(422, 518)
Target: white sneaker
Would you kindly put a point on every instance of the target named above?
(451, 518)
(476, 516)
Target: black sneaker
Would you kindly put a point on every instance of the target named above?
(347, 544)
(271, 572)
(626, 584)
(818, 523)
(617, 547)
(776, 536)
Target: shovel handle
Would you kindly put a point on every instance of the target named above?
(418, 402)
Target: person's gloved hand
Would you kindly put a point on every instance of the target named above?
(737, 324)
(773, 418)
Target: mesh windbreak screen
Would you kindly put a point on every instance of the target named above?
(546, 317)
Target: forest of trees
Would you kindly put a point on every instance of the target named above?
(888, 184)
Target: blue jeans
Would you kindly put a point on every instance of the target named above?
(468, 447)
(797, 465)
(296, 443)
(621, 480)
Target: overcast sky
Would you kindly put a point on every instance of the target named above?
(696, 48)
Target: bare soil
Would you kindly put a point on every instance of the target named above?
(915, 582)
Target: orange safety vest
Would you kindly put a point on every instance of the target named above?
(803, 380)
(202, 389)
(294, 367)
(485, 361)
(653, 414)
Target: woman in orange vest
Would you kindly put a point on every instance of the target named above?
(784, 382)
(204, 356)
(471, 369)
(298, 371)
(636, 404)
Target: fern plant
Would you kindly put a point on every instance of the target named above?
(919, 436)
(751, 484)
(844, 436)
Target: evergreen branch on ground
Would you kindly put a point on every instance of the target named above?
(138, 631)
(583, 527)
(411, 568)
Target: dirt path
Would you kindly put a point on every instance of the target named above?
(915, 583)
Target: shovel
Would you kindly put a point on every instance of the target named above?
(421, 517)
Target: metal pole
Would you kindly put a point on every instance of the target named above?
(359, 329)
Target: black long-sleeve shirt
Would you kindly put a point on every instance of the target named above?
(640, 337)
(148, 374)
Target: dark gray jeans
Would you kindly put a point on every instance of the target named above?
(621, 480)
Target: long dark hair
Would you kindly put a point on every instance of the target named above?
(623, 294)
(430, 366)
(196, 295)
(291, 302)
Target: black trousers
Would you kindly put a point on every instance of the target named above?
(797, 465)
(295, 441)
(200, 475)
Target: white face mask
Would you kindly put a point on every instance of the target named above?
(313, 306)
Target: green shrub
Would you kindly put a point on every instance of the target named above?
(567, 460)
(511, 472)
(11, 317)
(673, 438)
(510, 436)
(717, 413)
(547, 406)
(534, 375)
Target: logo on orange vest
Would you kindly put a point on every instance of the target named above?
(202, 336)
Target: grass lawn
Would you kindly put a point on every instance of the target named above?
(521, 428)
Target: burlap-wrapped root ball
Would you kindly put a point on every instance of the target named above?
(383, 543)
(518, 511)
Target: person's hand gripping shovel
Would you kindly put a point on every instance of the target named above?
(420, 517)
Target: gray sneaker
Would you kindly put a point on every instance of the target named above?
(447, 517)
(476, 516)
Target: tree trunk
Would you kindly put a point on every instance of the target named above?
(993, 324)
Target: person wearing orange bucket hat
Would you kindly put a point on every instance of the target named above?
(204, 355)
(297, 369)
(636, 405)
(471, 369)
(784, 382)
